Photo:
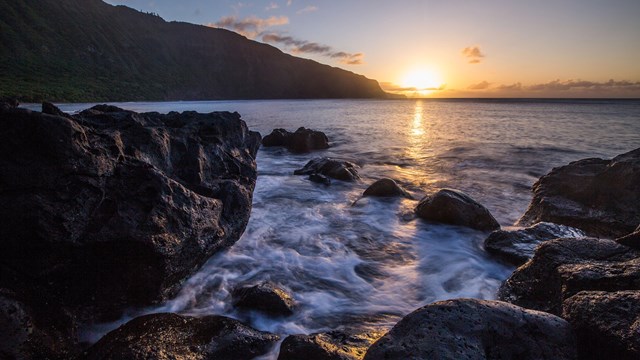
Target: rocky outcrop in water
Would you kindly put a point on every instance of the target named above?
(110, 209)
(266, 297)
(333, 345)
(301, 141)
(457, 208)
(607, 323)
(598, 196)
(386, 188)
(333, 168)
(476, 329)
(517, 246)
(171, 336)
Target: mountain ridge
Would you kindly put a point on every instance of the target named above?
(87, 50)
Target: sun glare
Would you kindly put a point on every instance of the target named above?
(422, 81)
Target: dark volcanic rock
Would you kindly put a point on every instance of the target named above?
(50, 109)
(598, 196)
(455, 207)
(386, 188)
(171, 336)
(334, 168)
(33, 328)
(632, 240)
(560, 268)
(266, 297)
(517, 246)
(333, 345)
(320, 179)
(110, 208)
(476, 329)
(301, 141)
(607, 324)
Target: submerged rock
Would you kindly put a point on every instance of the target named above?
(386, 188)
(517, 246)
(455, 207)
(110, 208)
(476, 329)
(333, 345)
(265, 297)
(563, 267)
(598, 196)
(333, 168)
(171, 336)
(320, 179)
(302, 141)
(607, 324)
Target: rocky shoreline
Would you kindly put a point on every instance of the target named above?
(110, 209)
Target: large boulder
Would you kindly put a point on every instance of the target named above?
(386, 188)
(333, 345)
(455, 207)
(631, 240)
(517, 246)
(110, 208)
(301, 141)
(265, 297)
(333, 168)
(476, 329)
(171, 336)
(607, 324)
(563, 267)
(598, 196)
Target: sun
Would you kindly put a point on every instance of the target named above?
(423, 81)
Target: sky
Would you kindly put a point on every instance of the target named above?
(452, 48)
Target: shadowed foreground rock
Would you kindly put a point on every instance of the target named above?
(333, 168)
(632, 240)
(333, 345)
(266, 297)
(171, 336)
(301, 141)
(517, 246)
(386, 188)
(607, 324)
(455, 207)
(476, 329)
(598, 196)
(563, 267)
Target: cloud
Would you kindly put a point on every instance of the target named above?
(473, 54)
(250, 26)
(271, 6)
(299, 46)
(289, 2)
(483, 85)
(568, 85)
(308, 9)
(392, 87)
(515, 86)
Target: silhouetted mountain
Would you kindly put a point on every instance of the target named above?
(87, 50)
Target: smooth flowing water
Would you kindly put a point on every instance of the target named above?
(367, 262)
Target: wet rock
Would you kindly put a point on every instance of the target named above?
(333, 345)
(171, 336)
(455, 207)
(386, 188)
(476, 329)
(320, 179)
(632, 240)
(598, 196)
(517, 246)
(33, 328)
(49, 108)
(301, 141)
(562, 267)
(7, 103)
(333, 168)
(607, 324)
(265, 297)
(110, 208)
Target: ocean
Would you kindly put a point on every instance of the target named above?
(353, 261)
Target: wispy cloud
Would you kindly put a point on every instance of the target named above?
(308, 9)
(567, 85)
(515, 86)
(289, 2)
(271, 6)
(392, 87)
(473, 54)
(250, 26)
(483, 85)
(299, 46)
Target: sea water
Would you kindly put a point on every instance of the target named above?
(366, 262)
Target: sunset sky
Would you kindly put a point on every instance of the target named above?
(455, 48)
